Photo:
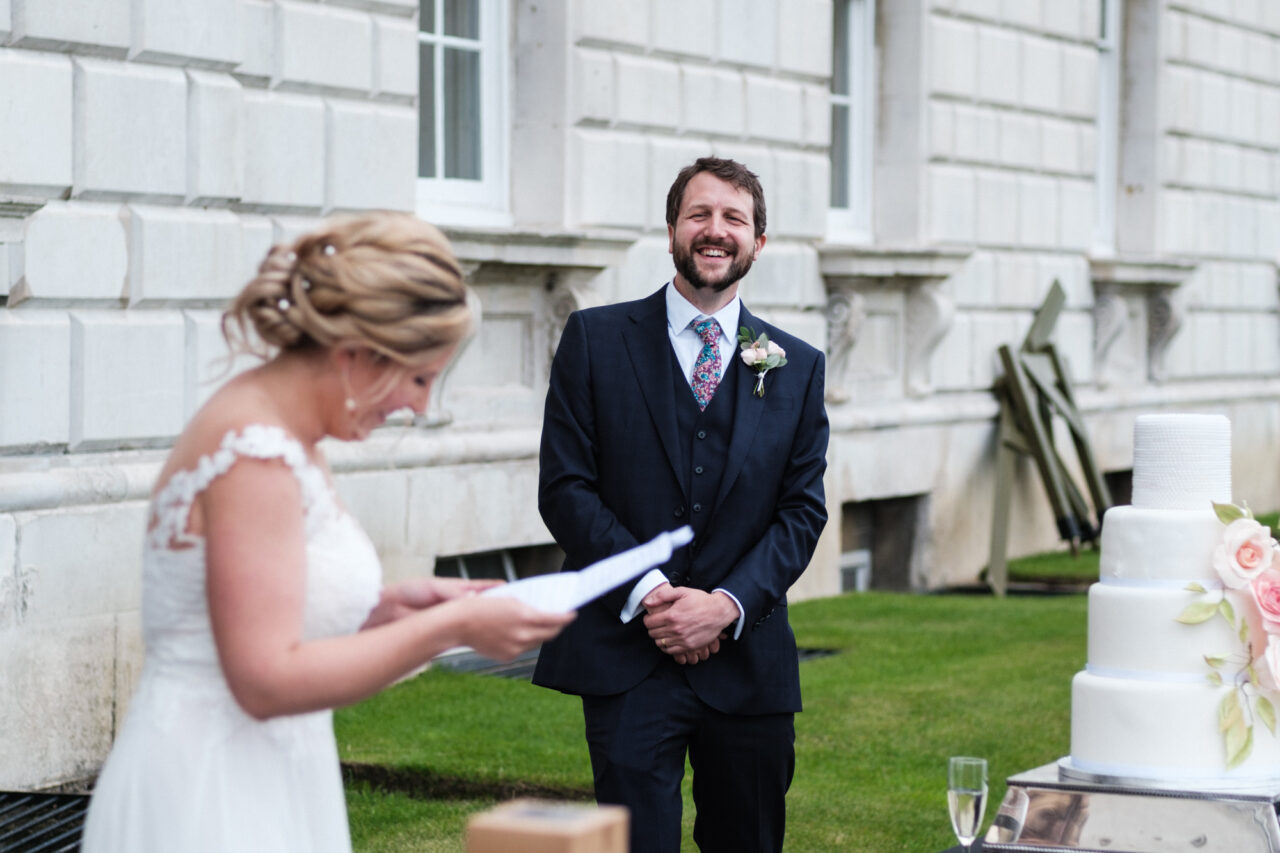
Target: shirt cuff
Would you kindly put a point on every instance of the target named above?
(742, 614)
(647, 584)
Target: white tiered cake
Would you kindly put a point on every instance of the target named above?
(1144, 708)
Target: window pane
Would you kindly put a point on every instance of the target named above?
(427, 16)
(462, 18)
(840, 155)
(426, 111)
(462, 114)
(485, 566)
(840, 49)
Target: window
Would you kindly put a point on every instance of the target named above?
(1104, 236)
(853, 98)
(462, 133)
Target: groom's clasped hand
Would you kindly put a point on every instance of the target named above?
(687, 623)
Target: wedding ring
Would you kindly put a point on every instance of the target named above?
(662, 644)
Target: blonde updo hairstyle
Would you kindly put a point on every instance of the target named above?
(385, 281)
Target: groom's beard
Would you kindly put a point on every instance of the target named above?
(687, 265)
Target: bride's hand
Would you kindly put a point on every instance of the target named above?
(501, 628)
(401, 599)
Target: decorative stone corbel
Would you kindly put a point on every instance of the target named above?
(1157, 280)
(846, 311)
(1110, 321)
(567, 292)
(437, 414)
(918, 274)
(1166, 311)
(930, 312)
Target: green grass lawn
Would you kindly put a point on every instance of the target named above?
(917, 678)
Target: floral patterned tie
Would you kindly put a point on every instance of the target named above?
(706, 370)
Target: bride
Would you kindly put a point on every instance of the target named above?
(261, 605)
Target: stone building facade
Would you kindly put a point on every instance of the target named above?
(930, 166)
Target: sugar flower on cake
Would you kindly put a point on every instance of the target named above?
(1245, 562)
(1245, 552)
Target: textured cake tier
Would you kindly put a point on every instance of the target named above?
(1134, 632)
(1160, 544)
(1181, 461)
(1158, 730)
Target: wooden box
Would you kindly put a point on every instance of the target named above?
(543, 826)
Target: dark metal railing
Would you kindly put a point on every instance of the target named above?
(41, 823)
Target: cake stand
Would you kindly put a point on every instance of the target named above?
(1071, 810)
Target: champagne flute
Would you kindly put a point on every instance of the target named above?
(966, 796)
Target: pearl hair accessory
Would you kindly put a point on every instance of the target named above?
(329, 250)
(283, 304)
(306, 284)
(350, 403)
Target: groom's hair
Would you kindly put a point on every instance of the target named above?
(726, 170)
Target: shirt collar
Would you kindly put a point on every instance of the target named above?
(681, 312)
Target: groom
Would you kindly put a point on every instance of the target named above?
(652, 422)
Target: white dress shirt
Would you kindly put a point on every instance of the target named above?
(687, 345)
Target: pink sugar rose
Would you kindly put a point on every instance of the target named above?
(1245, 552)
(1266, 593)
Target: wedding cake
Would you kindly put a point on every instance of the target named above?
(1147, 707)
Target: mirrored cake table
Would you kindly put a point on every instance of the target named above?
(1070, 810)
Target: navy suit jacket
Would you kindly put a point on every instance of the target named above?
(611, 477)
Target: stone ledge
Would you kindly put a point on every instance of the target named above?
(1141, 271)
(54, 482)
(860, 261)
(597, 249)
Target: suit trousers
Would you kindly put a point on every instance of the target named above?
(742, 765)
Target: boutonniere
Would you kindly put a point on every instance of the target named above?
(760, 354)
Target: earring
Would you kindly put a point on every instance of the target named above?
(350, 404)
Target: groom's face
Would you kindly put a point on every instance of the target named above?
(713, 240)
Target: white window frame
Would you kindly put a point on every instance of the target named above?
(1108, 126)
(853, 224)
(485, 202)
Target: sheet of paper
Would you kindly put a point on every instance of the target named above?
(565, 591)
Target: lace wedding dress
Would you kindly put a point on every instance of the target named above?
(190, 770)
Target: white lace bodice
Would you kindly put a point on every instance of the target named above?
(343, 573)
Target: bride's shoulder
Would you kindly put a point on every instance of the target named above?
(237, 428)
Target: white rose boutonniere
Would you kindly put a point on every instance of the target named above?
(760, 354)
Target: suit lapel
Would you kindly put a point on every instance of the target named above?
(649, 347)
(747, 412)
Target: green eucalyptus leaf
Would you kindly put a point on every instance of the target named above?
(1228, 612)
(1197, 612)
(1253, 674)
(1239, 743)
(1215, 661)
(1244, 630)
(1228, 513)
(1229, 712)
(1215, 678)
(1194, 587)
(1267, 713)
